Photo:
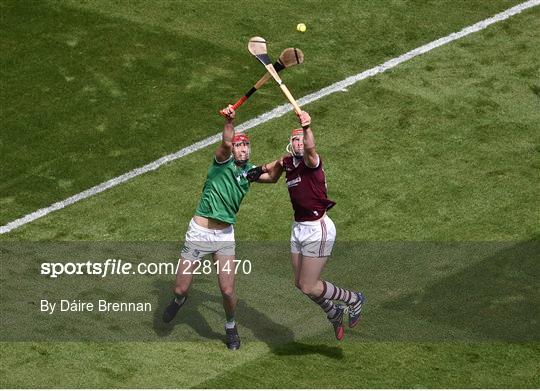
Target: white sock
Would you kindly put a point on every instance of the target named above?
(180, 301)
(230, 325)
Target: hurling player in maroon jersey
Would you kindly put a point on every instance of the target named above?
(313, 232)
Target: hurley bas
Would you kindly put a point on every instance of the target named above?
(86, 306)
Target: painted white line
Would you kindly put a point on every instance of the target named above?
(275, 113)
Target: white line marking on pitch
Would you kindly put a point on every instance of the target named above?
(275, 113)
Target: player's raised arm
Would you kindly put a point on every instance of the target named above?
(311, 158)
(267, 173)
(223, 152)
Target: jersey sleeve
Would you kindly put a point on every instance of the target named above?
(319, 165)
(215, 162)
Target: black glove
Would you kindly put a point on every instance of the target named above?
(254, 174)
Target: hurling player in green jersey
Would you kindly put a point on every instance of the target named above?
(210, 235)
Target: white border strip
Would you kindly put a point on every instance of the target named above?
(275, 113)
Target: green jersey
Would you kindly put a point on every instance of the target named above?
(225, 187)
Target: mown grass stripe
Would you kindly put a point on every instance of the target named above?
(275, 113)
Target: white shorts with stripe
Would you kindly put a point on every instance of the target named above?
(201, 242)
(313, 238)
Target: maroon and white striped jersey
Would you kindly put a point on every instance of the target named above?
(307, 189)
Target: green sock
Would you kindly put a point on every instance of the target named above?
(230, 321)
(179, 299)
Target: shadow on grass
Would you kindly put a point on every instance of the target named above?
(496, 299)
(279, 338)
(189, 314)
(302, 349)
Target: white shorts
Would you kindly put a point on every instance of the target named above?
(313, 238)
(200, 242)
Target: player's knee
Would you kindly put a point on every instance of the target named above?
(227, 292)
(306, 288)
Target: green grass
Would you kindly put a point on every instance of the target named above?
(388, 365)
(93, 90)
(434, 166)
(309, 365)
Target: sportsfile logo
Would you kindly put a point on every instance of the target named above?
(118, 267)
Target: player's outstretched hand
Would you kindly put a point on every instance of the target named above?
(304, 118)
(229, 113)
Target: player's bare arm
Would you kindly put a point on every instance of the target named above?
(223, 152)
(267, 173)
(311, 158)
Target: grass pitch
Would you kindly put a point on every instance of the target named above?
(443, 148)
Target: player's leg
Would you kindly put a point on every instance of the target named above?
(226, 281)
(311, 285)
(184, 278)
(296, 260)
(196, 245)
(309, 280)
(354, 300)
(328, 290)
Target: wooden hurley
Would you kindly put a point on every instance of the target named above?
(288, 58)
(257, 47)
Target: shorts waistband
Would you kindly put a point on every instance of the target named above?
(314, 222)
(228, 229)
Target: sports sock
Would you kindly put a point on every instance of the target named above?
(229, 317)
(179, 299)
(332, 292)
(327, 306)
